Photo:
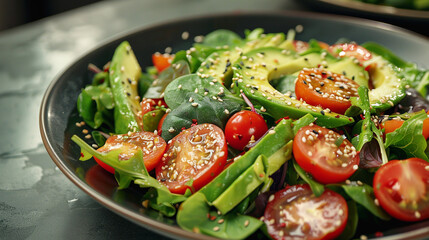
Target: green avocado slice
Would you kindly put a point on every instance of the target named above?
(124, 74)
(256, 68)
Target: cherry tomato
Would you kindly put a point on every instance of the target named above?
(152, 145)
(319, 87)
(160, 123)
(296, 213)
(301, 46)
(100, 180)
(243, 127)
(149, 104)
(196, 155)
(391, 125)
(402, 188)
(161, 61)
(350, 50)
(315, 150)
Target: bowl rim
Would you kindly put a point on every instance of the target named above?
(148, 223)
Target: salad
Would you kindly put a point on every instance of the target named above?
(265, 135)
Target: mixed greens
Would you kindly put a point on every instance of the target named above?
(266, 136)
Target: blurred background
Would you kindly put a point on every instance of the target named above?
(17, 12)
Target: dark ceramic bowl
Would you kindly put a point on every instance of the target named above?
(58, 114)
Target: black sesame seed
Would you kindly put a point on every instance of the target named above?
(315, 132)
(228, 64)
(129, 80)
(322, 112)
(322, 84)
(252, 77)
(306, 59)
(248, 67)
(304, 82)
(353, 78)
(330, 78)
(206, 90)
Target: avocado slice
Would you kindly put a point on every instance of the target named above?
(124, 74)
(257, 67)
(219, 64)
(389, 89)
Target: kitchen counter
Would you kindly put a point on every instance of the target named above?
(36, 200)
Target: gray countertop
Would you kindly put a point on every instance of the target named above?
(36, 200)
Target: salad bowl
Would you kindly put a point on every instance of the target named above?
(59, 118)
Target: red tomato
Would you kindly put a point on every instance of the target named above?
(105, 166)
(319, 87)
(100, 180)
(296, 213)
(402, 188)
(243, 127)
(152, 145)
(196, 155)
(161, 61)
(149, 104)
(391, 125)
(350, 50)
(316, 152)
(301, 46)
(160, 123)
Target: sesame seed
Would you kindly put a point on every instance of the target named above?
(246, 223)
(216, 229)
(194, 104)
(376, 202)
(271, 132)
(179, 87)
(88, 136)
(417, 214)
(185, 35)
(94, 145)
(271, 198)
(363, 237)
(220, 221)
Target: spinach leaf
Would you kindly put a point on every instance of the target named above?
(222, 37)
(95, 104)
(409, 137)
(196, 100)
(285, 85)
(315, 186)
(364, 195)
(196, 215)
(179, 68)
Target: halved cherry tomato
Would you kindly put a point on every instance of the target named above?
(196, 155)
(319, 87)
(350, 50)
(296, 213)
(315, 150)
(391, 125)
(161, 61)
(152, 145)
(402, 188)
(243, 127)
